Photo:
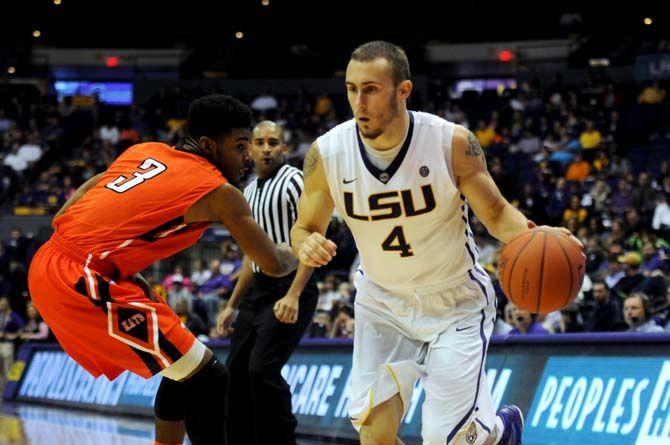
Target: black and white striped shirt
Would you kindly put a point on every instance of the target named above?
(274, 203)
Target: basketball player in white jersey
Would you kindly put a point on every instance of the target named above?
(404, 181)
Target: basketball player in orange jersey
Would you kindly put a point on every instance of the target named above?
(153, 201)
(403, 182)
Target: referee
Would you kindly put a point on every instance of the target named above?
(273, 317)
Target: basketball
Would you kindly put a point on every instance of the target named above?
(541, 270)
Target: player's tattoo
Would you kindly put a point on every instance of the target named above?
(474, 148)
(311, 160)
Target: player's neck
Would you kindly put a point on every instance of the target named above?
(395, 133)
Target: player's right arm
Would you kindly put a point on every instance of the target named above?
(314, 211)
(228, 206)
(81, 191)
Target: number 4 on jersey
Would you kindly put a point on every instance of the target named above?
(396, 242)
(148, 169)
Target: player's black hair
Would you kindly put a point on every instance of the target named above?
(215, 115)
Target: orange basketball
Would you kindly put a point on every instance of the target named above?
(541, 270)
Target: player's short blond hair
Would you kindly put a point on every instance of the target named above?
(393, 53)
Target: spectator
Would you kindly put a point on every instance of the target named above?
(503, 321)
(557, 201)
(178, 275)
(230, 267)
(323, 105)
(212, 291)
(526, 323)
(321, 325)
(633, 277)
(606, 312)
(531, 203)
(622, 198)
(178, 292)
(328, 295)
(637, 314)
(571, 320)
(575, 210)
(35, 328)
(644, 197)
(31, 151)
(590, 138)
(529, 144)
(10, 328)
(17, 162)
(343, 326)
(651, 94)
(485, 134)
(578, 170)
(109, 132)
(190, 319)
(653, 259)
(635, 229)
(661, 220)
(200, 274)
(594, 255)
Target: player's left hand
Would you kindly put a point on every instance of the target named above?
(286, 309)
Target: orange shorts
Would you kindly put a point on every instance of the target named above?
(106, 326)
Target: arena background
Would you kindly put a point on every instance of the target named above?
(568, 100)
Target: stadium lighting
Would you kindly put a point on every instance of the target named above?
(599, 62)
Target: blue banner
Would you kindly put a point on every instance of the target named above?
(587, 390)
(601, 400)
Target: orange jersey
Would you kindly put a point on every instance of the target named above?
(134, 215)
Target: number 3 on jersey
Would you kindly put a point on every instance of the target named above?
(396, 242)
(149, 168)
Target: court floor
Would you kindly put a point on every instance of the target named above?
(28, 424)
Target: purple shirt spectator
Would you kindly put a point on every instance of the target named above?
(535, 328)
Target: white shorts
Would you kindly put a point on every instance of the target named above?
(394, 346)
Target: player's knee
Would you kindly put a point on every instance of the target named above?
(176, 399)
(170, 403)
(205, 412)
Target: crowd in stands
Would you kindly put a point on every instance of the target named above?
(593, 158)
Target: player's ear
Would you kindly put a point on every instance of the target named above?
(405, 89)
(207, 145)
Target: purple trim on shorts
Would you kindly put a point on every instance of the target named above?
(479, 378)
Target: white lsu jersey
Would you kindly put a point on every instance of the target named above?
(409, 221)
